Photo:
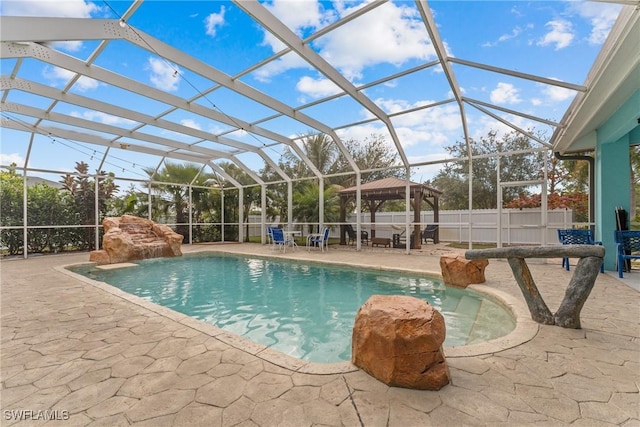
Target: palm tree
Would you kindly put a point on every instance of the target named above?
(252, 195)
(173, 199)
(306, 204)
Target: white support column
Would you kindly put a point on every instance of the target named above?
(321, 205)
(149, 207)
(289, 202)
(222, 215)
(190, 215)
(470, 225)
(96, 206)
(25, 213)
(544, 205)
(499, 203)
(263, 212)
(358, 211)
(240, 214)
(407, 212)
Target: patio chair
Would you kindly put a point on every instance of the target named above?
(628, 248)
(430, 232)
(364, 237)
(319, 240)
(574, 236)
(351, 235)
(280, 240)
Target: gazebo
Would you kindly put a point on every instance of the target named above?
(375, 193)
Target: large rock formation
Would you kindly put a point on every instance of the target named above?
(398, 340)
(131, 238)
(460, 272)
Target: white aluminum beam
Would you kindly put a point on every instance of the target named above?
(110, 129)
(265, 18)
(97, 140)
(92, 104)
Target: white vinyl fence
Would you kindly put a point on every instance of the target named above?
(519, 227)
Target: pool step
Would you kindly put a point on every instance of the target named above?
(470, 307)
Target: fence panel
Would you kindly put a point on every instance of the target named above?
(519, 226)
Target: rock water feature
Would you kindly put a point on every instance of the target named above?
(398, 340)
(129, 238)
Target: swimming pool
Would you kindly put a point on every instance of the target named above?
(303, 310)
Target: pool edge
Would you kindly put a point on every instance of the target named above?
(524, 331)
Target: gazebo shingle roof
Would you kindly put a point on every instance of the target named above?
(389, 188)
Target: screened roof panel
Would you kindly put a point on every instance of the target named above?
(235, 107)
(198, 81)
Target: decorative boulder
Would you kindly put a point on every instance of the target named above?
(131, 238)
(398, 340)
(460, 272)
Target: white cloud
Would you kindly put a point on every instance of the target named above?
(392, 33)
(426, 172)
(435, 126)
(62, 76)
(317, 88)
(443, 117)
(70, 46)
(50, 8)
(505, 93)
(8, 159)
(601, 16)
(555, 93)
(98, 116)
(561, 34)
(482, 125)
(214, 21)
(190, 123)
(503, 38)
(298, 14)
(273, 68)
(164, 75)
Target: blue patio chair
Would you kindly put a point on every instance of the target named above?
(279, 239)
(574, 236)
(628, 247)
(319, 239)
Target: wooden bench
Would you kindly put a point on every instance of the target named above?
(577, 292)
(385, 241)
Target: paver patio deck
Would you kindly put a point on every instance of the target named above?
(101, 358)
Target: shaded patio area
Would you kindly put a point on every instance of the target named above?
(107, 358)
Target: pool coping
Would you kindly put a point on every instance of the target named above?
(525, 329)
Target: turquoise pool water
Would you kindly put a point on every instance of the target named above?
(304, 310)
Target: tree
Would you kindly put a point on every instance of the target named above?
(306, 204)
(172, 201)
(576, 201)
(252, 195)
(11, 201)
(81, 196)
(371, 154)
(453, 178)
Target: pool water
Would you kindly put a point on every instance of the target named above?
(304, 310)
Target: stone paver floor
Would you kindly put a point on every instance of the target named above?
(90, 357)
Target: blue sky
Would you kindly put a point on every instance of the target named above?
(551, 39)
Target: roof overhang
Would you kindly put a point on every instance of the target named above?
(614, 80)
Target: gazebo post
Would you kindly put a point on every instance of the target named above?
(417, 200)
